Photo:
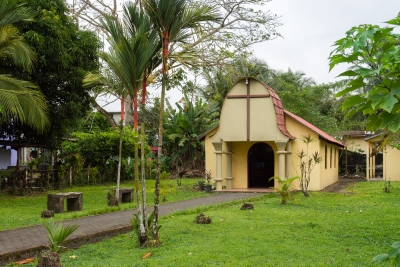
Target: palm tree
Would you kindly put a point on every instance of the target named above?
(133, 44)
(218, 84)
(111, 84)
(253, 67)
(176, 22)
(220, 81)
(20, 101)
(297, 79)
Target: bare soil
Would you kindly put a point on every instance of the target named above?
(341, 185)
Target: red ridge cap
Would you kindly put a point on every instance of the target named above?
(279, 112)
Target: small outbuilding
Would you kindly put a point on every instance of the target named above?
(257, 139)
(379, 163)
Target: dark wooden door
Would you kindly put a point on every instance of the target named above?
(260, 161)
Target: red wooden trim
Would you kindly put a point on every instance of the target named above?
(247, 96)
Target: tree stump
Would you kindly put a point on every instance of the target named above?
(247, 206)
(49, 259)
(202, 219)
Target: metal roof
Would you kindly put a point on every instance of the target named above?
(318, 131)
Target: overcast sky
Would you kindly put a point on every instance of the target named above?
(309, 31)
(312, 26)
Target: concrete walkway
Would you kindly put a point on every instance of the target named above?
(27, 242)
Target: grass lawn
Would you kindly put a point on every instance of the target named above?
(19, 211)
(326, 229)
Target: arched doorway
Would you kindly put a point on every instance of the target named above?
(260, 165)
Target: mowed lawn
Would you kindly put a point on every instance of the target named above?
(326, 229)
(19, 211)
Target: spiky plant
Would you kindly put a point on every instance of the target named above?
(58, 233)
(284, 187)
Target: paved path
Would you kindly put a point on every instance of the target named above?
(28, 241)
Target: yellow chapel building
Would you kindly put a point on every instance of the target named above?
(257, 139)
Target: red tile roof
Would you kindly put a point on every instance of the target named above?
(280, 117)
(320, 133)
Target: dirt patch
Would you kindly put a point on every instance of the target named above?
(341, 185)
(247, 206)
(202, 219)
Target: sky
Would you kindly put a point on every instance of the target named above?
(310, 28)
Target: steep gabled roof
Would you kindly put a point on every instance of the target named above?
(318, 131)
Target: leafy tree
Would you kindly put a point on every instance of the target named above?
(101, 149)
(20, 101)
(243, 23)
(92, 122)
(374, 90)
(317, 105)
(64, 56)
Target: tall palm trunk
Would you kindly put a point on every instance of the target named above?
(143, 154)
(140, 207)
(160, 136)
(120, 148)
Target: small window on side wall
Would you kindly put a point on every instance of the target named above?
(334, 159)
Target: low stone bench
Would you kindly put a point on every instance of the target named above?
(125, 195)
(55, 202)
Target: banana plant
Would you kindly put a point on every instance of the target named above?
(184, 124)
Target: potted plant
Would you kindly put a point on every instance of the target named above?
(57, 234)
(208, 185)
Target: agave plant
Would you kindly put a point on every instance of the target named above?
(57, 234)
(284, 187)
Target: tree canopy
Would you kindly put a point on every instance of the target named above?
(21, 102)
(373, 53)
(64, 55)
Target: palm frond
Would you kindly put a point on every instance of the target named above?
(13, 46)
(23, 103)
(57, 234)
(133, 46)
(11, 11)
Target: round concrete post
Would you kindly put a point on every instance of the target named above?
(228, 177)
(282, 160)
(218, 176)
